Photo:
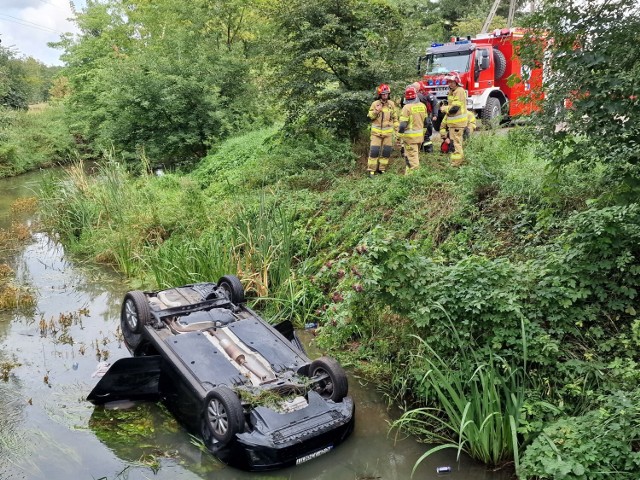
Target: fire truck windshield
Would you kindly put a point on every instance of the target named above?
(439, 63)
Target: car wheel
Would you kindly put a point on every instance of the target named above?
(336, 386)
(233, 288)
(134, 314)
(223, 416)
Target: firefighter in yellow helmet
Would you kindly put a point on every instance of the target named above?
(384, 124)
(412, 124)
(455, 120)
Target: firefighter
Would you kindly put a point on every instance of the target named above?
(412, 124)
(384, 125)
(426, 96)
(471, 125)
(455, 119)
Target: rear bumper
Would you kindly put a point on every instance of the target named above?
(258, 452)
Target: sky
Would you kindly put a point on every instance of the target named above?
(27, 25)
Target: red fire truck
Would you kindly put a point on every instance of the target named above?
(491, 72)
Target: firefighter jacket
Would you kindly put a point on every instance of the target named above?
(456, 98)
(384, 122)
(412, 121)
(456, 123)
(471, 121)
(430, 101)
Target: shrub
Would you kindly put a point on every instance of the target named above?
(602, 444)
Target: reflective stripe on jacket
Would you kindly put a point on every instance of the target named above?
(456, 121)
(412, 122)
(384, 122)
(457, 97)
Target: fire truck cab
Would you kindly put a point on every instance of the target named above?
(491, 72)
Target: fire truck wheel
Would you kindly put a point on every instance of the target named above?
(500, 62)
(491, 112)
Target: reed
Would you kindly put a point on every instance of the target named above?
(181, 260)
(478, 407)
(255, 245)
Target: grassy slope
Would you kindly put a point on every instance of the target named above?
(35, 138)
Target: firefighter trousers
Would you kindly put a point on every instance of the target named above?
(379, 153)
(457, 157)
(412, 156)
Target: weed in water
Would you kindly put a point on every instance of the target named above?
(6, 367)
(24, 205)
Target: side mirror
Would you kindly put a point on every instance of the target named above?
(484, 63)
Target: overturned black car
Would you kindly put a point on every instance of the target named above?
(245, 387)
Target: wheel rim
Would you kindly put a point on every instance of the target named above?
(226, 289)
(131, 315)
(218, 417)
(326, 386)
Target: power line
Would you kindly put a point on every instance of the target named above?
(27, 23)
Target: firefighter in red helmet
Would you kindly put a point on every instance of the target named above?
(384, 125)
(456, 119)
(412, 125)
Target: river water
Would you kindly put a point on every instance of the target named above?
(49, 431)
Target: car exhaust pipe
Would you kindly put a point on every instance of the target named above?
(241, 357)
(233, 351)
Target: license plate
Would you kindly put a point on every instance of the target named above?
(313, 455)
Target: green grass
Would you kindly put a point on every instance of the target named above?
(33, 139)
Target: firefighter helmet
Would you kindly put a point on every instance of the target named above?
(410, 93)
(424, 87)
(383, 88)
(453, 77)
(444, 148)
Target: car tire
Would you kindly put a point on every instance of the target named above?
(223, 416)
(233, 288)
(135, 313)
(338, 386)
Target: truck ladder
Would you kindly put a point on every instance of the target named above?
(492, 14)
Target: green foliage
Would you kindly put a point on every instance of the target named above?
(263, 158)
(480, 406)
(591, 62)
(23, 81)
(334, 55)
(164, 79)
(601, 444)
(33, 139)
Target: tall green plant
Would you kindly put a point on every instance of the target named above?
(479, 406)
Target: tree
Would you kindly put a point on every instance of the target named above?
(592, 99)
(12, 85)
(161, 77)
(334, 54)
